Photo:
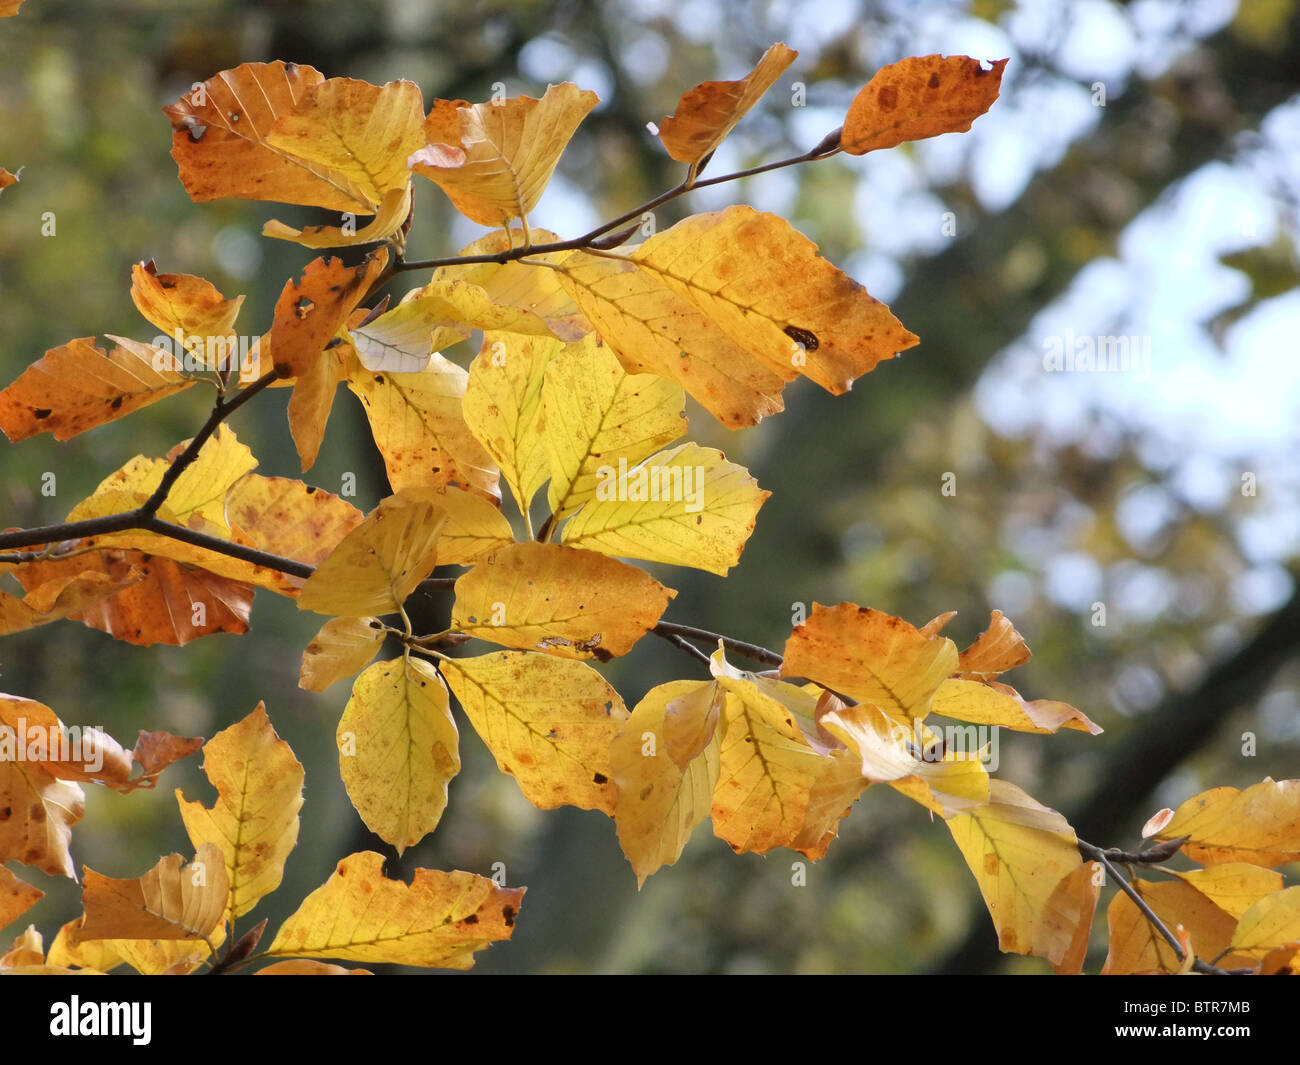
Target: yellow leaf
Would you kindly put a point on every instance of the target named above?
(1269, 924)
(765, 777)
(69, 949)
(341, 649)
(401, 340)
(219, 141)
(419, 426)
(200, 490)
(1019, 851)
(503, 405)
(16, 897)
(379, 563)
(919, 97)
(168, 902)
(1234, 886)
(1260, 825)
(662, 799)
(78, 386)
(872, 657)
(398, 748)
(707, 113)
(547, 597)
(536, 297)
(185, 306)
(688, 507)
(439, 920)
(1001, 705)
(731, 304)
(549, 723)
(42, 809)
(498, 166)
(594, 414)
(361, 131)
(254, 821)
(290, 519)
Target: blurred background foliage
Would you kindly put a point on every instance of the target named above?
(1139, 177)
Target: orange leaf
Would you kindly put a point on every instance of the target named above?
(186, 305)
(919, 97)
(16, 896)
(42, 809)
(78, 386)
(220, 141)
(707, 113)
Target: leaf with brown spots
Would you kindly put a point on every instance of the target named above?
(37, 810)
(438, 920)
(78, 386)
(254, 821)
(919, 97)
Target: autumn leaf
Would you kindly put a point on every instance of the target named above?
(42, 808)
(28, 951)
(160, 601)
(187, 308)
(1136, 946)
(155, 751)
(688, 507)
(661, 799)
(549, 723)
(1271, 923)
(494, 159)
(418, 424)
(919, 97)
(503, 408)
(6, 177)
(1019, 852)
(219, 141)
(308, 315)
(341, 649)
(1001, 705)
(996, 650)
(398, 749)
(78, 386)
(766, 775)
(593, 414)
(1260, 825)
(438, 920)
(54, 599)
(16, 897)
(70, 950)
(547, 597)
(168, 902)
(872, 657)
(290, 519)
(362, 133)
(254, 821)
(708, 112)
(1233, 886)
(731, 305)
(379, 563)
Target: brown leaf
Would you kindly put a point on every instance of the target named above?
(708, 112)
